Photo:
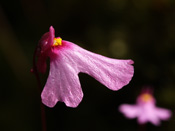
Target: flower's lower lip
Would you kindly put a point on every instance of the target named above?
(67, 60)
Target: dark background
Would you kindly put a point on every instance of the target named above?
(141, 30)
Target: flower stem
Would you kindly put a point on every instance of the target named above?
(35, 71)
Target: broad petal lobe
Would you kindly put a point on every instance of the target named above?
(163, 114)
(62, 84)
(68, 60)
(130, 111)
(113, 73)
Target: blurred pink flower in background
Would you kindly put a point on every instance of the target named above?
(145, 109)
(67, 60)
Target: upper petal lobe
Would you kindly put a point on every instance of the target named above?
(112, 73)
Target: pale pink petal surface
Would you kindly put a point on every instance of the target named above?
(163, 114)
(130, 111)
(147, 114)
(62, 85)
(113, 73)
(65, 64)
(145, 110)
(67, 60)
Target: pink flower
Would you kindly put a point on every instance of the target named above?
(145, 110)
(67, 60)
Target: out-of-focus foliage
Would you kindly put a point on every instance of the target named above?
(142, 30)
